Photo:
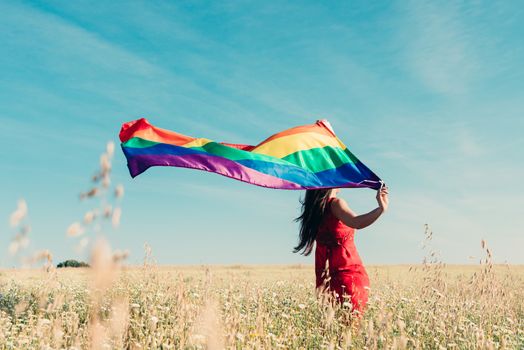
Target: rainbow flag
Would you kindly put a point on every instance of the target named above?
(303, 157)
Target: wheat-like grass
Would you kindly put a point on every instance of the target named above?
(482, 307)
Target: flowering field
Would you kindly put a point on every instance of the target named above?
(428, 306)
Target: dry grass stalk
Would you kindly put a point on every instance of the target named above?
(93, 218)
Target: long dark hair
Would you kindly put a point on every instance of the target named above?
(313, 208)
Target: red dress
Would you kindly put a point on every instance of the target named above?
(335, 243)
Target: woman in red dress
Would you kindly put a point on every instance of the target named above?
(328, 221)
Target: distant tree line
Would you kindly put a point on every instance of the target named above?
(72, 263)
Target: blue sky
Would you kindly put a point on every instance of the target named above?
(428, 96)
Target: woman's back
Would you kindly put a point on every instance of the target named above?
(333, 231)
(335, 243)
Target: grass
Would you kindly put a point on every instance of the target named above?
(270, 307)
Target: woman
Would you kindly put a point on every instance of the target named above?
(329, 221)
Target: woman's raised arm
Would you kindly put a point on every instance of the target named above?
(342, 211)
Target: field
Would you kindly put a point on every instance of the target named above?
(429, 306)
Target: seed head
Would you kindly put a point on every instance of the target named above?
(106, 180)
(75, 229)
(110, 148)
(105, 163)
(117, 213)
(119, 191)
(88, 217)
(19, 214)
(108, 210)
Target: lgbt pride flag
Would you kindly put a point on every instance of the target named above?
(303, 157)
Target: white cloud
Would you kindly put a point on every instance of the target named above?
(93, 66)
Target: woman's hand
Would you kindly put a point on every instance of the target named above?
(382, 198)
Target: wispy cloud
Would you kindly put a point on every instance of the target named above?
(440, 50)
(469, 145)
(102, 70)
